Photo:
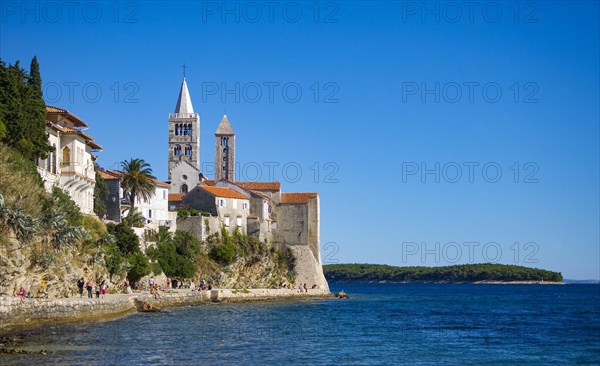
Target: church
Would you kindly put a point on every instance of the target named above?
(258, 209)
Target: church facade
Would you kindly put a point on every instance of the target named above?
(257, 209)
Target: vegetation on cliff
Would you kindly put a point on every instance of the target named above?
(455, 273)
(22, 110)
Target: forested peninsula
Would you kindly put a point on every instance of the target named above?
(464, 273)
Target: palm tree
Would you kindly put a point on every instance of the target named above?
(137, 181)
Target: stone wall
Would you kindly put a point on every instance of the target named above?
(17, 314)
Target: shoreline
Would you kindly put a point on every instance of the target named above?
(20, 315)
(485, 282)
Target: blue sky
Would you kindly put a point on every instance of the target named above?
(360, 99)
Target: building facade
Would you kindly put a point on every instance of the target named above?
(155, 211)
(70, 164)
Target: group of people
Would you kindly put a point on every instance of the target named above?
(302, 288)
(98, 289)
(202, 286)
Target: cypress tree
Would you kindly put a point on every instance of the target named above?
(36, 116)
(22, 109)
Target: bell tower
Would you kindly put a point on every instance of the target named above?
(184, 143)
(224, 151)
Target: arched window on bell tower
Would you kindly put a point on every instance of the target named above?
(177, 150)
(184, 188)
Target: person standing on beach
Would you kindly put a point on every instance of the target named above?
(103, 289)
(90, 286)
(97, 291)
(80, 285)
(151, 282)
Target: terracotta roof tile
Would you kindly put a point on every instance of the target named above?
(115, 174)
(176, 197)
(160, 184)
(260, 186)
(108, 176)
(222, 192)
(76, 120)
(52, 109)
(209, 182)
(300, 197)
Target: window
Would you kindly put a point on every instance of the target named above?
(53, 159)
(226, 220)
(234, 204)
(149, 213)
(177, 150)
(221, 202)
(184, 188)
(238, 221)
(224, 141)
(188, 151)
(245, 205)
(66, 155)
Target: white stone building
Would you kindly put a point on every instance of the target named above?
(70, 165)
(155, 211)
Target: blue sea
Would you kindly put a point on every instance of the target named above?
(381, 324)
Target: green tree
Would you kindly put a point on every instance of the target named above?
(137, 181)
(113, 259)
(125, 238)
(22, 109)
(100, 193)
(138, 266)
(176, 255)
(226, 251)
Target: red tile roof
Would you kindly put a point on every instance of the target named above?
(222, 192)
(108, 176)
(176, 197)
(301, 197)
(76, 120)
(160, 184)
(260, 186)
(115, 174)
(209, 182)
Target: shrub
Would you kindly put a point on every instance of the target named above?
(138, 266)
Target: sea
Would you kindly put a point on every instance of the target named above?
(380, 324)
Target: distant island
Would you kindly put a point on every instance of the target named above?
(464, 273)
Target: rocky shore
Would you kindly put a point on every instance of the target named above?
(17, 314)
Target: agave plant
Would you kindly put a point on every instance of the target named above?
(22, 224)
(58, 230)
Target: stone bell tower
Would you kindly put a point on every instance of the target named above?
(224, 151)
(184, 144)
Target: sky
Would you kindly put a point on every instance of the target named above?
(436, 133)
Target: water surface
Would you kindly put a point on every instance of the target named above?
(382, 324)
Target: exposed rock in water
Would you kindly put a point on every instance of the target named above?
(342, 295)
